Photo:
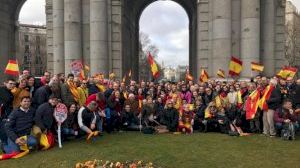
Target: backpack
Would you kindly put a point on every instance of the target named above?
(288, 132)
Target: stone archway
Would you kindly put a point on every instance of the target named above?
(132, 11)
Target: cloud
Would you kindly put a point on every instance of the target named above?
(296, 3)
(33, 12)
(167, 23)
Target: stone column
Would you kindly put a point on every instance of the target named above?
(236, 28)
(72, 33)
(98, 36)
(250, 35)
(221, 36)
(58, 37)
(268, 40)
(86, 31)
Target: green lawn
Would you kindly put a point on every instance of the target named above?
(197, 150)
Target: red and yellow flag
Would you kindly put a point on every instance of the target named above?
(87, 68)
(252, 104)
(188, 76)
(221, 73)
(257, 67)
(287, 71)
(82, 74)
(203, 76)
(12, 68)
(235, 66)
(153, 65)
(266, 95)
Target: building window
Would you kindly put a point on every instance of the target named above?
(26, 38)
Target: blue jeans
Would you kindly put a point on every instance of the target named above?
(11, 146)
(67, 131)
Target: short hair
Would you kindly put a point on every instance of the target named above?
(286, 101)
(25, 97)
(10, 79)
(71, 75)
(52, 96)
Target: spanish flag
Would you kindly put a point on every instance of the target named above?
(124, 79)
(266, 95)
(87, 68)
(252, 104)
(188, 76)
(235, 66)
(257, 67)
(287, 71)
(82, 74)
(12, 68)
(221, 73)
(153, 65)
(203, 76)
(112, 76)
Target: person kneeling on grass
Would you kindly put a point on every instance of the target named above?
(87, 119)
(18, 128)
(45, 123)
(70, 125)
(285, 116)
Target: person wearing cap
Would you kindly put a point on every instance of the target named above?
(18, 127)
(44, 119)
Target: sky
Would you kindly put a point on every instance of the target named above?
(166, 23)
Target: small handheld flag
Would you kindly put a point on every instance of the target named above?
(12, 68)
(153, 65)
(221, 73)
(235, 66)
(204, 76)
(257, 67)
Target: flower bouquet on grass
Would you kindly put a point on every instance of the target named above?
(110, 164)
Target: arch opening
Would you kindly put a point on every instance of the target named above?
(133, 12)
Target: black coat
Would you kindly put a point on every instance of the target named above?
(6, 100)
(44, 118)
(19, 123)
(274, 101)
(170, 119)
(41, 96)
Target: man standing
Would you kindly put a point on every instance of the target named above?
(271, 100)
(18, 127)
(6, 101)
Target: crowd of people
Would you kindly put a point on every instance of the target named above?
(97, 105)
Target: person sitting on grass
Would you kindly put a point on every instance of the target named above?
(18, 128)
(170, 116)
(214, 118)
(130, 121)
(285, 115)
(148, 113)
(70, 125)
(186, 120)
(87, 119)
(199, 114)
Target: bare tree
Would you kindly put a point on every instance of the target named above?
(292, 48)
(146, 46)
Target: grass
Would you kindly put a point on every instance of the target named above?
(167, 150)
